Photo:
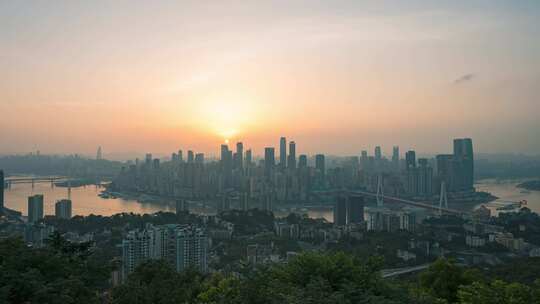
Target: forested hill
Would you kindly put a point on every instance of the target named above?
(71, 165)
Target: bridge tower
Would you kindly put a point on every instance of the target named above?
(380, 192)
(69, 189)
(443, 199)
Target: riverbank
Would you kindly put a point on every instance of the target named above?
(533, 185)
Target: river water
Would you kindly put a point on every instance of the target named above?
(86, 200)
(507, 192)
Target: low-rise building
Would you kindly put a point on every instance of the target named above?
(475, 241)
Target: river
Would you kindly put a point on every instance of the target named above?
(507, 192)
(86, 200)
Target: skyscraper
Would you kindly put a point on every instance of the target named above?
(464, 155)
(226, 165)
(180, 156)
(425, 178)
(155, 163)
(410, 159)
(446, 166)
(244, 200)
(224, 203)
(267, 202)
(395, 158)
(269, 161)
(35, 208)
(320, 168)
(62, 209)
(190, 156)
(282, 152)
(340, 211)
(99, 155)
(355, 209)
(199, 158)
(181, 206)
(148, 159)
(378, 154)
(2, 185)
(182, 246)
(248, 157)
(224, 151)
(302, 161)
(319, 163)
(364, 160)
(191, 249)
(292, 155)
(239, 155)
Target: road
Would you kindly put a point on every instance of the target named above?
(388, 273)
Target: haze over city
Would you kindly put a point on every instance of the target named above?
(335, 77)
(263, 152)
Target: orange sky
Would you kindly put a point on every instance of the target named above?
(156, 77)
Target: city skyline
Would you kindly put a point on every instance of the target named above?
(336, 78)
(392, 153)
(270, 151)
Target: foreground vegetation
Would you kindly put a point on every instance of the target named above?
(67, 273)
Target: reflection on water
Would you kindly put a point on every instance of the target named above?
(86, 200)
(506, 191)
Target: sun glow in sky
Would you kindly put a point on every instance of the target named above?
(227, 118)
(336, 77)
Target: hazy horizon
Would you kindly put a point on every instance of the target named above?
(336, 77)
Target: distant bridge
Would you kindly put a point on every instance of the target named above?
(34, 180)
(393, 199)
(411, 203)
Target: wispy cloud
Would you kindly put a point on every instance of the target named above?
(464, 78)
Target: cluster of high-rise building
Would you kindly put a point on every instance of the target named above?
(457, 169)
(236, 178)
(349, 210)
(35, 208)
(183, 246)
(239, 180)
(421, 178)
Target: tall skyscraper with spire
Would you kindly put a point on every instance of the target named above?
(99, 155)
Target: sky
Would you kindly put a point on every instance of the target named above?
(337, 77)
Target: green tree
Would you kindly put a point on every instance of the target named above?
(443, 278)
(497, 292)
(219, 289)
(156, 281)
(59, 273)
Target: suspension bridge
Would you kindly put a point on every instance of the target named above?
(381, 198)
